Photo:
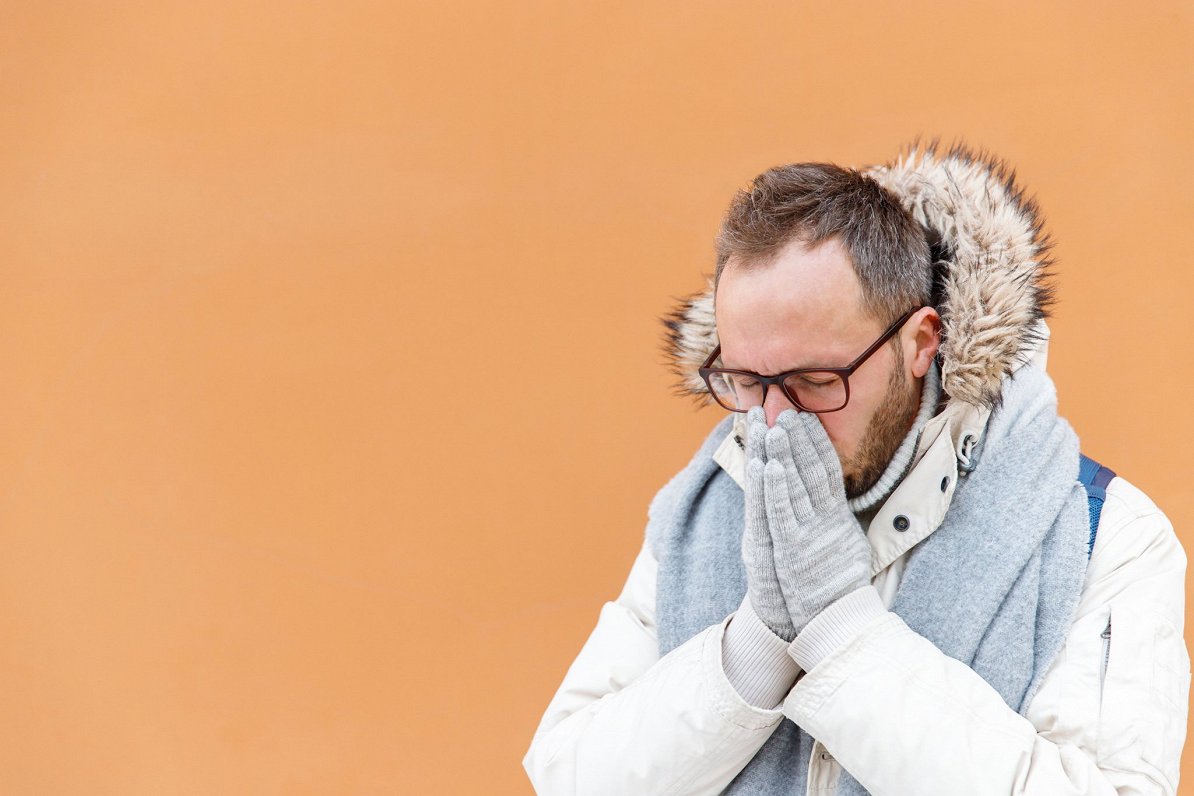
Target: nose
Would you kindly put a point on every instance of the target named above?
(775, 403)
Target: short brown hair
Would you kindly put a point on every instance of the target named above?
(813, 202)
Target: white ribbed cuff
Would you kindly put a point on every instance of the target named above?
(756, 661)
(836, 626)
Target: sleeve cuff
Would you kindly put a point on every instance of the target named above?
(836, 626)
(757, 661)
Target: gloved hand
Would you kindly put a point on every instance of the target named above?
(820, 550)
(762, 582)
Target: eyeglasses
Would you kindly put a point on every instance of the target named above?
(809, 389)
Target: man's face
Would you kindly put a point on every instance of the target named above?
(805, 310)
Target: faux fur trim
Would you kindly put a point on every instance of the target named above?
(993, 275)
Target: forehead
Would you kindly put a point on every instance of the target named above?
(800, 281)
(801, 308)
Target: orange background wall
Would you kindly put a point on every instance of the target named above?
(329, 340)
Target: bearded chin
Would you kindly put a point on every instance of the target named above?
(886, 430)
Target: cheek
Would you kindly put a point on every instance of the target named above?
(844, 429)
(867, 393)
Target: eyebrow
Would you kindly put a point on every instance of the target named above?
(725, 364)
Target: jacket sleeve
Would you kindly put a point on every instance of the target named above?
(625, 721)
(902, 717)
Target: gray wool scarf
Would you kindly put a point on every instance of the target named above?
(995, 586)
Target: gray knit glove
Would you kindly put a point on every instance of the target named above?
(762, 582)
(821, 552)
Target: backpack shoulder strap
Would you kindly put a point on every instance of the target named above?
(1094, 477)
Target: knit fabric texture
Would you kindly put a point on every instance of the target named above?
(995, 586)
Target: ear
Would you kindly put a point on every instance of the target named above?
(921, 338)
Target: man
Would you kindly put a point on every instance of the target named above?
(880, 572)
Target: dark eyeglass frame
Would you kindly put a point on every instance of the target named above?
(778, 379)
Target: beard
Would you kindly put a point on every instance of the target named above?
(884, 433)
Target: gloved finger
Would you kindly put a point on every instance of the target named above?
(794, 424)
(807, 459)
(757, 550)
(779, 450)
(756, 430)
(756, 532)
(823, 480)
(824, 447)
(776, 441)
(831, 489)
(782, 510)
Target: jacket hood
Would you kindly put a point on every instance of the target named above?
(991, 272)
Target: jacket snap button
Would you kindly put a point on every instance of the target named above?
(825, 756)
(945, 483)
(901, 523)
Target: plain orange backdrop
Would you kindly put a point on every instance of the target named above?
(333, 397)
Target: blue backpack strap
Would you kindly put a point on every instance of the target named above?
(1095, 478)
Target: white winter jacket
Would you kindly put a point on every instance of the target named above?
(1109, 716)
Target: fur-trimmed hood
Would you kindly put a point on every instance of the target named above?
(991, 276)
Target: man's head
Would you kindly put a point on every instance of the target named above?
(814, 262)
